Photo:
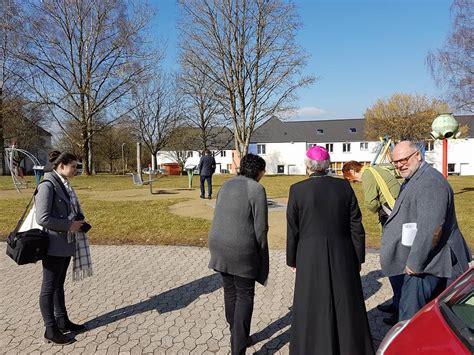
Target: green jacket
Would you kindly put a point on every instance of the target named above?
(373, 196)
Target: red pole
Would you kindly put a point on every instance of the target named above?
(445, 158)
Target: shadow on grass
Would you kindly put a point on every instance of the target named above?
(370, 286)
(163, 192)
(464, 190)
(168, 301)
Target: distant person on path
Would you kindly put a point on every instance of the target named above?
(239, 247)
(206, 167)
(58, 211)
(326, 247)
(439, 252)
(381, 189)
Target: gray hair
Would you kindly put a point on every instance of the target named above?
(316, 165)
(416, 145)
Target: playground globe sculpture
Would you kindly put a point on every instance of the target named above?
(445, 127)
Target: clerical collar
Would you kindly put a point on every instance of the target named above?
(318, 174)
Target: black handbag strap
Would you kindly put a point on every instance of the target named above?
(22, 218)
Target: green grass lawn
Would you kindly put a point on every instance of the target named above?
(150, 222)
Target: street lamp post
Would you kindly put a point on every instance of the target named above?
(123, 160)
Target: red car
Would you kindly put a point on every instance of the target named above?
(443, 326)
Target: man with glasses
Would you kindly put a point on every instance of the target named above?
(439, 252)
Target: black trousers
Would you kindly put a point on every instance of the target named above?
(51, 299)
(202, 179)
(239, 293)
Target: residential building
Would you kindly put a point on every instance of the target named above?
(283, 145)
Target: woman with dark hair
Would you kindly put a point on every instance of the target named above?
(58, 211)
(326, 247)
(238, 245)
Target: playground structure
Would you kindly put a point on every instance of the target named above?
(445, 127)
(13, 157)
(382, 155)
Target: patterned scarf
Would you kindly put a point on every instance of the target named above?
(82, 261)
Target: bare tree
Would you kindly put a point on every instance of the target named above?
(90, 54)
(113, 146)
(453, 65)
(202, 109)
(156, 112)
(247, 49)
(402, 116)
(11, 72)
(21, 126)
(181, 145)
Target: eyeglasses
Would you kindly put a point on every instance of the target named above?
(405, 160)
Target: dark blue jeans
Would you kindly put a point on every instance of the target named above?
(239, 294)
(417, 291)
(209, 186)
(52, 289)
(396, 282)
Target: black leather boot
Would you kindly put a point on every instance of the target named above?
(66, 326)
(54, 335)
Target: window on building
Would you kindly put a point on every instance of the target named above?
(429, 146)
(261, 149)
(346, 147)
(352, 130)
(364, 146)
(280, 169)
(229, 167)
(190, 154)
(200, 154)
(451, 168)
(319, 131)
(223, 153)
(330, 147)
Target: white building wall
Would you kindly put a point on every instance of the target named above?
(290, 155)
(356, 152)
(460, 153)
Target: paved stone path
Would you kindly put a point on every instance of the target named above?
(158, 299)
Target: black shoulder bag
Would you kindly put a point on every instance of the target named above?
(29, 246)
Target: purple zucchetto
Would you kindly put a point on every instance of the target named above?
(317, 153)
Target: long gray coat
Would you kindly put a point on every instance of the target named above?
(52, 210)
(428, 201)
(238, 236)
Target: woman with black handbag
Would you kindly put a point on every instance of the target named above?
(58, 211)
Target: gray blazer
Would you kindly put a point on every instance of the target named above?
(238, 236)
(428, 201)
(52, 210)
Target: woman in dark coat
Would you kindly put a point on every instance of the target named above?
(238, 245)
(326, 247)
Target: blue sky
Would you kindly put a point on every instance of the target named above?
(361, 50)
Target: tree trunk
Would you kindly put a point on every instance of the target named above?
(139, 160)
(2, 139)
(91, 157)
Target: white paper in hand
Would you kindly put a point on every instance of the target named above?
(408, 233)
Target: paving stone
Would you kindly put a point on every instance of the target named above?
(159, 299)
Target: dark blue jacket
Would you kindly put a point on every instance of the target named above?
(207, 165)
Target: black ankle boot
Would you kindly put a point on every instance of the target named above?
(66, 326)
(54, 335)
